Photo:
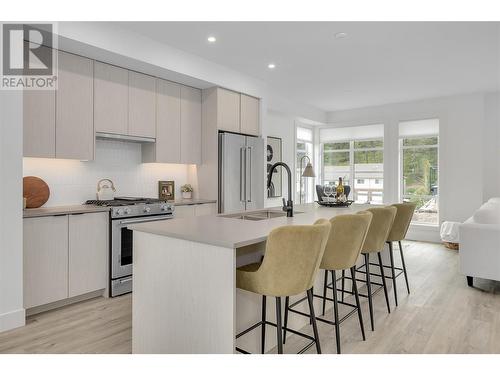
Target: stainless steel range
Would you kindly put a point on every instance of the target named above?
(126, 211)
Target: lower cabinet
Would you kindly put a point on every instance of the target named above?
(45, 260)
(88, 253)
(191, 210)
(64, 256)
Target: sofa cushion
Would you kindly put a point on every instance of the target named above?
(489, 213)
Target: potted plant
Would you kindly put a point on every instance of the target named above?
(187, 191)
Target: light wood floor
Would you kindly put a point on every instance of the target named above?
(441, 315)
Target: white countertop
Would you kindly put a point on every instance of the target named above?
(235, 233)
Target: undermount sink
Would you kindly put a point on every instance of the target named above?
(258, 215)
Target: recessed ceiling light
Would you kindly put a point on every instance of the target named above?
(212, 39)
(271, 66)
(340, 35)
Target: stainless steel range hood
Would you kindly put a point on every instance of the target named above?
(124, 138)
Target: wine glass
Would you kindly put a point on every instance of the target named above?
(328, 191)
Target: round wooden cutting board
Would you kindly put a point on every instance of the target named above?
(36, 191)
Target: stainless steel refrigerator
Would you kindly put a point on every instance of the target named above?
(241, 172)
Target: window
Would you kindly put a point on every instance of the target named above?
(304, 147)
(359, 160)
(419, 153)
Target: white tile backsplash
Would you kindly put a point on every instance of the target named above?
(73, 182)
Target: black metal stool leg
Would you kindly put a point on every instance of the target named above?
(391, 255)
(287, 304)
(383, 281)
(279, 328)
(325, 284)
(336, 312)
(404, 266)
(313, 318)
(369, 286)
(356, 295)
(263, 335)
(343, 285)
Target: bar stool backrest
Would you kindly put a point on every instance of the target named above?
(402, 221)
(292, 257)
(381, 224)
(345, 241)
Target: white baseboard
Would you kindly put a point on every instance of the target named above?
(425, 233)
(12, 319)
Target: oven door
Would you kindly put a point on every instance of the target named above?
(122, 240)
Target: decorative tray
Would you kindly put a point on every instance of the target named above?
(335, 204)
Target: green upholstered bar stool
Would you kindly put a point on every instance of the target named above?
(289, 267)
(345, 241)
(398, 232)
(378, 233)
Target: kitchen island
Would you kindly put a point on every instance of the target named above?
(185, 298)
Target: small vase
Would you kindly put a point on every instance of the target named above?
(186, 194)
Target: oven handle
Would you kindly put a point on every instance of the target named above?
(144, 220)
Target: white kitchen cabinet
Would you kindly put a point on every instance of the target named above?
(141, 105)
(167, 148)
(110, 99)
(39, 123)
(88, 252)
(190, 125)
(205, 209)
(45, 260)
(39, 120)
(74, 108)
(184, 211)
(228, 110)
(249, 115)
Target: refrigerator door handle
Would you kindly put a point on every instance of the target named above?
(249, 175)
(242, 174)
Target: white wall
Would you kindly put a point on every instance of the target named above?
(463, 183)
(282, 126)
(491, 171)
(11, 250)
(74, 182)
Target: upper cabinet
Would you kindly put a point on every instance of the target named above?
(59, 123)
(249, 115)
(178, 125)
(237, 113)
(74, 108)
(125, 102)
(228, 110)
(110, 99)
(190, 125)
(141, 105)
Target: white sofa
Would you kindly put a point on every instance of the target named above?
(480, 243)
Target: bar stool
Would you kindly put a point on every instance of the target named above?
(378, 233)
(291, 261)
(345, 241)
(404, 214)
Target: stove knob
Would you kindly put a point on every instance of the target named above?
(147, 209)
(127, 211)
(119, 211)
(164, 208)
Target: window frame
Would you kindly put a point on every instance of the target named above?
(402, 196)
(351, 150)
(297, 185)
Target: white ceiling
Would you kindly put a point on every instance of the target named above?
(377, 63)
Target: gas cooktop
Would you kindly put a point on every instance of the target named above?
(124, 201)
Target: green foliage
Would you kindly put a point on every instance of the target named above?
(420, 170)
(336, 158)
(368, 157)
(369, 144)
(336, 146)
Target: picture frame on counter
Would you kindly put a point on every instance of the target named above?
(166, 190)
